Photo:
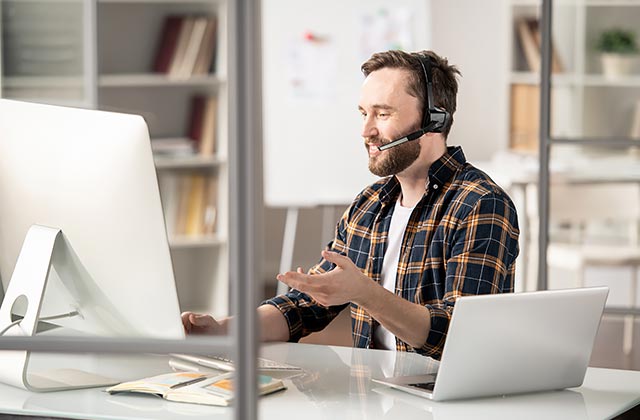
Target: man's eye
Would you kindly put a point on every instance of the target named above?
(383, 114)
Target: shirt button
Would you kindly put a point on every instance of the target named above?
(435, 186)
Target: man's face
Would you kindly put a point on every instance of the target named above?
(388, 113)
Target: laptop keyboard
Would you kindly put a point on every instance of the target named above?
(424, 385)
(226, 364)
(264, 364)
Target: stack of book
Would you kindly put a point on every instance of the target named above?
(201, 132)
(172, 147)
(525, 98)
(189, 202)
(530, 41)
(187, 46)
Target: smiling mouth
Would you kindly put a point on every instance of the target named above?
(373, 149)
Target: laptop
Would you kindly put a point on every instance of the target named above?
(513, 343)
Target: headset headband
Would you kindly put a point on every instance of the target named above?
(437, 117)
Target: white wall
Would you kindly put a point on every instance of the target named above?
(474, 35)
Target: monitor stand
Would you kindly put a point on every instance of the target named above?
(25, 294)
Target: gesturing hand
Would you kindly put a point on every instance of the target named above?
(345, 283)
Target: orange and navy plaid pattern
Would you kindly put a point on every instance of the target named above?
(461, 239)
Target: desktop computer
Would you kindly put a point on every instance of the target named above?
(80, 206)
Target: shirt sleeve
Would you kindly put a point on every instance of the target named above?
(303, 314)
(480, 259)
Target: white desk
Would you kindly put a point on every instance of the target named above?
(337, 384)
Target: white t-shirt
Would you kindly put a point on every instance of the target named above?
(382, 338)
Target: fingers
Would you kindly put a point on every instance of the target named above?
(198, 323)
(186, 324)
(338, 259)
(296, 279)
(200, 320)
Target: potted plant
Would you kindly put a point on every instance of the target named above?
(618, 50)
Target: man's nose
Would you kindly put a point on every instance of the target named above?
(369, 128)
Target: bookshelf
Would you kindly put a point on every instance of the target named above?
(584, 102)
(103, 54)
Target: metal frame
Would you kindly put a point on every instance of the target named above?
(245, 142)
(245, 134)
(546, 141)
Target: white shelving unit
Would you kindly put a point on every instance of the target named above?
(111, 46)
(585, 104)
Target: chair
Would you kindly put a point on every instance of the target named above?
(594, 225)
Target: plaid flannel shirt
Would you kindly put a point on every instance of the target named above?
(461, 239)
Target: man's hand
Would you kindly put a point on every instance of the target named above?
(345, 283)
(202, 324)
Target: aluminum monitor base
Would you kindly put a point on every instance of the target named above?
(41, 249)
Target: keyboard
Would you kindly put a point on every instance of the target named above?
(227, 365)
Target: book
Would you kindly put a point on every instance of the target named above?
(528, 44)
(180, 226)
(196, 206)
(193, 48)
(197, 116)
(525, 115)
(168, 42)
(194, 387)
(207, 49)
(186, 28)
(210, 206)
(208, 139)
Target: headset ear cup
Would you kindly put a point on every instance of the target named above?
(445, 119)
(440, 119)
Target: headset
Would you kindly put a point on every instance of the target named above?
(434, 120)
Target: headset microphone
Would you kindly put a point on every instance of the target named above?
(409, 137)
(434, 119)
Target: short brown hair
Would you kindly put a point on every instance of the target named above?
(445, 83)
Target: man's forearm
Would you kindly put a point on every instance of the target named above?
(273, 325)
(408, 321)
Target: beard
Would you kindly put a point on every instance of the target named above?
(394, 160)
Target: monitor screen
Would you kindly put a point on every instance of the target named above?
(90, 174)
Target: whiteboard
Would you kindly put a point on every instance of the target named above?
(311, 56)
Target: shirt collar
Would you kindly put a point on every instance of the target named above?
(443, 169)
(440, 172)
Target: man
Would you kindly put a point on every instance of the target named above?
(432, 229)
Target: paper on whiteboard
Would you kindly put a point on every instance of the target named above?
(312, 70)
(385, 29)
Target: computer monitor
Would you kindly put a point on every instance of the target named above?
(91, 174)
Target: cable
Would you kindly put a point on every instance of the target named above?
(46, 318)
(8, 327)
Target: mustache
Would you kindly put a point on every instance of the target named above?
(376, 140)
